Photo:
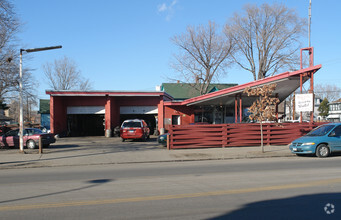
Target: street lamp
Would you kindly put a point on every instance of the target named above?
(21, 115)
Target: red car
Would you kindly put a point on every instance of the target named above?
(134, 129)
(31, 138)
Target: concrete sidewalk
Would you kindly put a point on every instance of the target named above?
(100, 150)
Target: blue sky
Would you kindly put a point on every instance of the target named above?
(125, 45)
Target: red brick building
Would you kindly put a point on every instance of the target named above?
(79, 113)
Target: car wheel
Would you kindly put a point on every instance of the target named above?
(30, 144)
(322, 150)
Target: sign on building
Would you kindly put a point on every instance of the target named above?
(304, 102)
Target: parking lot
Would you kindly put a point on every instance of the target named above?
(79, 151)
(95, 144)
(102, 144)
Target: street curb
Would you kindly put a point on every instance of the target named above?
(40, 164)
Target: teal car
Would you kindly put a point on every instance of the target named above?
(322, 141)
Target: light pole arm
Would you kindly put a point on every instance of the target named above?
(21, 114)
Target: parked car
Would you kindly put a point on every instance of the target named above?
(322, 141)
(134, 129)
(162, 139)
(31, 138)
(45, 129)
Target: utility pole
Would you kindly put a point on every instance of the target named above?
(21, 114)
(309, 25)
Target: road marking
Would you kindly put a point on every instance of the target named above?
(167, 197)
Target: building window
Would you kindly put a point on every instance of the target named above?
(176, 120)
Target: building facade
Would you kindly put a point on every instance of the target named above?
(84, 113)
(93, 113)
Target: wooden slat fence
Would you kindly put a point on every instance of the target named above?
(233, 135)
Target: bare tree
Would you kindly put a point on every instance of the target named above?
(267, 38)
(29, 102)
(329, 91)
(204, 54)
(9, 26)
(9, 23)
(63, 74)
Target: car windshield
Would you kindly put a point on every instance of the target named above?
(131, 124)
(320, 131)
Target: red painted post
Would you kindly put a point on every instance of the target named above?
(107, 117)
(161, 114)
(170, 138)
(240, 108)
(311, 56)
(312, 91)
(40, 146)
(311, 63)
(268, 134)
(236, 109)
(52, 114)
(168, 148)
(301, 86)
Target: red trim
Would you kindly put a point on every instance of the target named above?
(171, 103)
(236, 109)
(105, 93)
(270, 79)
(240, 108)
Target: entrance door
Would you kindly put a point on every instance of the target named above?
(176, 120)
(85, 125)
(85, 121)
(147, 113)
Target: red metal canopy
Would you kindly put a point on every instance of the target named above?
(287, 83)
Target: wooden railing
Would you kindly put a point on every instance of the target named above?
(231, 135)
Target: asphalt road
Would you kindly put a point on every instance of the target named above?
(271, 188)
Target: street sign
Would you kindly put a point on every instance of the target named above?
(304, 102)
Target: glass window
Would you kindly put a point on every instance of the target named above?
(131, 124)
(176, 120)
(28, 132)
(36, 131)
(337, 131)
(321, 130)
(13, 133)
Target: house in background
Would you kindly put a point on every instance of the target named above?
(183, 91)
(335, 111)
(305, 115)
(317, 103)
(44, 111)
(4, 114)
